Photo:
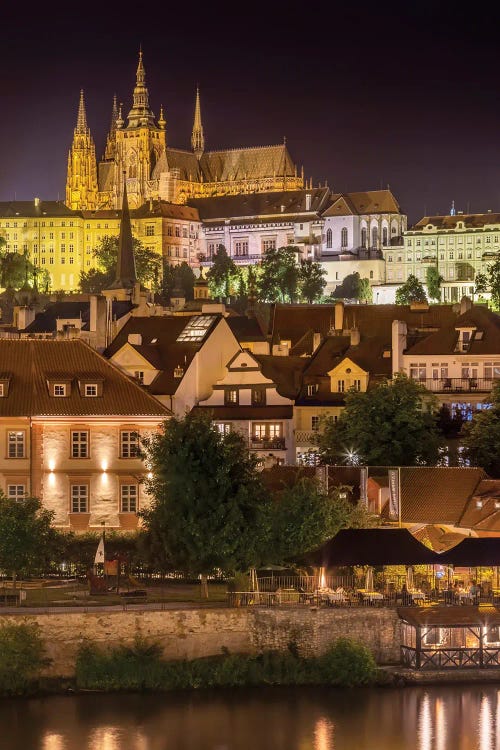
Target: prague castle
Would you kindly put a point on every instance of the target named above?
(137, 152)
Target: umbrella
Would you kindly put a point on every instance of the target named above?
(369, 579)
(409, 578)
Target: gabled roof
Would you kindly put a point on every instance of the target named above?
(30, 363)
(245, 328)
(482, 512)
(436, 494)
(470, 221)
(247, 163)
(261, 205)
(369, 202)
(443, 341)
(285, 372)
(11, 209)
(46, 321)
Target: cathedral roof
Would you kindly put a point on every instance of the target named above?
(185, 161)
(247, 163)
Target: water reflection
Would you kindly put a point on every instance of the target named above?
(444, 718)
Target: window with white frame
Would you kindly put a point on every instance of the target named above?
(418, 371)
(79, 444)
(312, 388)
(128, 498)
(224, 428)
(231, 396)
(59, 389)
(315, 420)
(241, 247)
(341, 386)
(79, 498)
(329, 238)
(90, 389)
(267, 430)
(1, 390)
(16, 491)
(129, 444)
(344, 237)
(268, 244)
(16, 444)
(139, 376)
(492, 370)
(384, 236)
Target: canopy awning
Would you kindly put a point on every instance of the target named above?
(473, 552)
(376, 546)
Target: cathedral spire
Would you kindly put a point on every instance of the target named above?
(110, 151)
(197, 137)
(140, 114)
(81, 122)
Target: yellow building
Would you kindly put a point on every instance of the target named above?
(137, 152)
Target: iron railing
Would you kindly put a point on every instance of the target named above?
(259, 444)
(457, 385)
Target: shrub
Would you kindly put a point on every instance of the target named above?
(348, 663)
(22, 657)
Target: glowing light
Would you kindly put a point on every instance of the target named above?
(322, 578)
(441, 743)
(150, 474)
(104, 465)
(425, 725)
(487, 741)
(52, 464)
(323, 735)
(53, 742)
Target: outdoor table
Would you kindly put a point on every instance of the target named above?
(464, 597)
(333, 596)
(417, 595)
(371, 596)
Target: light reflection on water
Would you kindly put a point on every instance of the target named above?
(424, 718)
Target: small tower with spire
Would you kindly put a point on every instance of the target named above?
(110, 151)
(126, 277)
(81, 182)
(197, 137)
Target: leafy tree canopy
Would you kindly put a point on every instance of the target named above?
(15, 269)
(177, 277)
(278, 279)
(222, 273)
(354, 287)
(482, 437)
(392, 424)
(493, 279)
(480, 283)
(411, 291)
(209, 508)
(147, 263)
(311, 280)
(26, 536)
(433, 280)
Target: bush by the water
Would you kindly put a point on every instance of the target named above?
(22, 657)
(141, 667)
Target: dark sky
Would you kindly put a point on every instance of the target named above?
(367, 95)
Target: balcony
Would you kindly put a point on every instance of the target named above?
(267, 444)
(457, 385)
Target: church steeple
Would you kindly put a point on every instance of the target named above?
(197, 137)
(140, 114)
(81, 182)
(109, 153)
(125, 265)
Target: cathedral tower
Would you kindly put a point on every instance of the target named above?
(110, 151)
(197, 137)
(139, 145)
(81, 183)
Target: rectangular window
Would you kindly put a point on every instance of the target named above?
(223, 427)
(59, 389)
(258, 396)
(128, 498)
(356, 385)
(267, 430)
(231, 397)
(312, 389)
(90, 389)
(79, 444)
(177, 231)
(16, 443)
(139, 376)
(268, 245)
(241, 247)
(418, 371)
(129, 444)
(341, 386)
(150, 230)
(315, 423)
(1, 390)
(16, 491)
(79, 498)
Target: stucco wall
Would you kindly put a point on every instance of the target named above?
(192, 633)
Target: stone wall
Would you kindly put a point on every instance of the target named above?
(192, 633)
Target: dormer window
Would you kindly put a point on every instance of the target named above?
(312, 389)
(91, 389)
(59, 389)
(231, 397)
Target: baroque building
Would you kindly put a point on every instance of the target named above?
(137, 154)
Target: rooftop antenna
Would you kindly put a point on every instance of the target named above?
(452, 209)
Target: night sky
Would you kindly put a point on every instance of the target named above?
(368, 96)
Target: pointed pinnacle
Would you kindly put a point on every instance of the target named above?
(81, 122)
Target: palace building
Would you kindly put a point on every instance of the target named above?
(137, 153)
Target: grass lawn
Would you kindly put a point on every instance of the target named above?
(53, 594)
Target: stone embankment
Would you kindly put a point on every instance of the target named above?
(192, 633)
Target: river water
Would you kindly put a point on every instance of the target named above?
(411, 718)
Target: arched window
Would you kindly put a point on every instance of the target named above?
(329, 238)
(343, 239)
(363, 237)
(371, 274)
(374, 236)
(384, 236)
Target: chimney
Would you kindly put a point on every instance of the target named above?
(355, 337)
(465, 305)
(93, 313)
(316, 341)
(308, 201)
(135, 339)
(339, 316)
(151, 205)
(25, 316)
(399, 331)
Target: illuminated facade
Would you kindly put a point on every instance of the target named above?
(70, 427)
(137, 152)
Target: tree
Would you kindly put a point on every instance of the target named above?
(493, 276)
(209, 508)
(311, 280)
(175, 277)
(433, 280)
(411, 291)
(480, 284)
(354, 287)
(15, 269)
(482, 437)
(26, 536)
(279, 275)
(365, 291)
(393, 424)
(221, 273)
(305, 516)
(147, 265)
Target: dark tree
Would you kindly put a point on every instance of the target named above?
(147, 264)
(411, 291)
(392, 424)
(493, 276)
(222, 273)
(482, 437)
(278, 279)
(26, 536)
(311, 280)
(433, 280)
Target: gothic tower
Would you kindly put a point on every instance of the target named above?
(139, 145)
(81, 183)
(110, 151)
(197, 137)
